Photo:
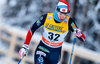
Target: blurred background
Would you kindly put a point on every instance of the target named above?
(17, 16)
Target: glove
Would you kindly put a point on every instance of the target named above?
(23, 51)
(79, 34)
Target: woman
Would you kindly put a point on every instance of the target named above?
(56, 26)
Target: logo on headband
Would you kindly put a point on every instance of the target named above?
(63, 10)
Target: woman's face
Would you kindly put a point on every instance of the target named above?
(61, 16)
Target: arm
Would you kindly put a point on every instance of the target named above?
(34, 27)
(77, 32)
(23, 51)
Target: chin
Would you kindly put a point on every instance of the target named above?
(61, 19)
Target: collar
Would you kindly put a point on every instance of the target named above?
(55, 16)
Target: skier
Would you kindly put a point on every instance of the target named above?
(56, 25)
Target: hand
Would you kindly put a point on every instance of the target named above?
(77, 33)
(23, 51)
(80, 35)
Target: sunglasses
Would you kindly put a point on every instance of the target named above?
(62, 10)
(62, 14)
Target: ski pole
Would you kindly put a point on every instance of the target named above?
(73, 25)
(72, 49)
(21, 60)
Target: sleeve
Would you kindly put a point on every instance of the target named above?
(34, 27)
(82, 38)
(72, 25)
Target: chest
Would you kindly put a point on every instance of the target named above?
(51, 25)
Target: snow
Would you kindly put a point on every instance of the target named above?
(98, 6)
(2, 2)
(82, 2)
(12, 3)
(2, 45)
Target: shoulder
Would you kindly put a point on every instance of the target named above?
(71, 20)
(47, 14)
(44, 15)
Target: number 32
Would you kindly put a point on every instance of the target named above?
(51, 36)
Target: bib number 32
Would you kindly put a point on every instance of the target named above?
(53, 36)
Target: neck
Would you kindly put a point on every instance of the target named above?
(56, 17)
